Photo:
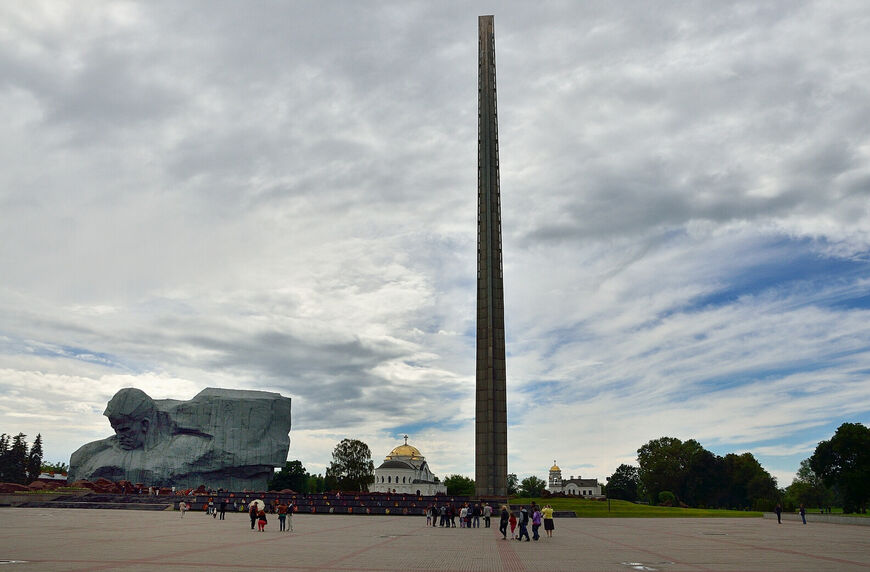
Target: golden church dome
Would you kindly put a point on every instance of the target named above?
(555, 467)
(406, 450)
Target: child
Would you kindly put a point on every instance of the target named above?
(261, 523)
(513, 522)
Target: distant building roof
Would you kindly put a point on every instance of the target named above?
(396, 465)
(581, 482)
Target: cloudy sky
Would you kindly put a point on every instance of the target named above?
(282, 196)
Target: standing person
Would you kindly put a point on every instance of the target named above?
(803, 512)
(513, 522)
(503, 522)
(182, 506)
(261, 520)
(476, 516)
(223, 506)
(252, 512)
(443, 511)
(778, 511)
(451, 512)
(290, 510)
(547, 513)
(463, 512)
(282, 517)
(524, 525)
(211, 507)
(428, 515)
(487, 513)
(536, 523)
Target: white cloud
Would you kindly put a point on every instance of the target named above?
(283, 198)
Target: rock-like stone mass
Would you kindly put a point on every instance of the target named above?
(222, 438)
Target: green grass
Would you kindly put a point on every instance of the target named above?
(585, 508)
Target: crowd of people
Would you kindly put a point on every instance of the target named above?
(534, 515)
(470, 515)
(442, 515)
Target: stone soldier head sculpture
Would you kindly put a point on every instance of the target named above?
(132, 414)
(225, 438)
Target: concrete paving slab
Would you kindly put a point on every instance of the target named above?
(65, 539)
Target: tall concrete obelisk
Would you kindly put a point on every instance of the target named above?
(491, 413)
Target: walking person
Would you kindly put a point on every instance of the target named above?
(778, 511)
(503, 523)
(536, 524)
(182, 506)
(211, 510)
(524, 525)
(513, 522)
(252, 512)
(547, 513)
(223, 506)
(803, 512)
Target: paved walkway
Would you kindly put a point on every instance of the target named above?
(75, 539)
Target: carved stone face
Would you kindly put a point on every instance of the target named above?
(130, 432)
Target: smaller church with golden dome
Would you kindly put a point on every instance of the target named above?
(580, 487)
(406, 471)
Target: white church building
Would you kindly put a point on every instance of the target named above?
(588, 488)
(405, 470)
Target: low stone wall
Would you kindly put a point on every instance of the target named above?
(12, 499)
(817, 517)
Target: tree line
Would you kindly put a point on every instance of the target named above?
(351, 469)
(674, 472)
(19, 463)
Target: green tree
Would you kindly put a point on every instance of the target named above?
(844, 463)
(665, 466)
(18, 460)
(352, 468)
(459, 485)
(809, 489)
(57, 468)
(5, 459)
(512, 484)
(623, 483)
(292, 476)
(705, 477)
(532, 486)
(34, 459)
(316, 484)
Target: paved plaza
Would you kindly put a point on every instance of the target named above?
(77, 539)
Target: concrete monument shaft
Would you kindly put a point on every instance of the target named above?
(491, 395)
